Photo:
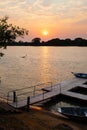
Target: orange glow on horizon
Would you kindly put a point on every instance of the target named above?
(47, 19)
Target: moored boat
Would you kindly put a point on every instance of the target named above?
(76, 113)
(80, 75)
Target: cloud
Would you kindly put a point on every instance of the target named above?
(45, 10)
(56, 6)
(51, 10)
(82, 22)
(61, 8)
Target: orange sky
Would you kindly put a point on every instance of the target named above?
(60, 18)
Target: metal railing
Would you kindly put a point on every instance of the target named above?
(21, 94)
(25, 95)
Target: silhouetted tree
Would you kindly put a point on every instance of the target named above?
(36, 41)
(78, 41)
(8, 32)
(68, 40)
(54, 42)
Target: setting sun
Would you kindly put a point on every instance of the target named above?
(45, 33)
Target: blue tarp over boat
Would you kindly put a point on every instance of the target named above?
(76, 113)
(80, 75)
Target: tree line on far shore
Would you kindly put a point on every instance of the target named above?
(52, 42)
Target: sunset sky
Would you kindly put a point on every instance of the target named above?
(48, 19)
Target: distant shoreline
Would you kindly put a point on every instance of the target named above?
(52, 42)
(28, 44)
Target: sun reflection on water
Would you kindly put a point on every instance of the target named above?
(45, 65)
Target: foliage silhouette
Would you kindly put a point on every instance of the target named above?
(36, 41)
(8, 32)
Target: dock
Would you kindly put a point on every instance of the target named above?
(38, 94)
(31, 95)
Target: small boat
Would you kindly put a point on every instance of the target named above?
(76, 113)
(80, 75)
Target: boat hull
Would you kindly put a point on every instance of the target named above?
(80, 75)
(77, 114)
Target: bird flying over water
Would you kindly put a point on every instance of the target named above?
(24, 56)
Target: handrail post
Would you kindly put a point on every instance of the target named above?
(60, 87)
(14, 96)
(43, 95)
(34, 91)
(28, 103)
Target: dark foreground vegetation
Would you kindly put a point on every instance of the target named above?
(37, 119)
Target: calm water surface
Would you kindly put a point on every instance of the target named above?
(41, 64)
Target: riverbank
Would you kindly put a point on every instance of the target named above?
(37, 119)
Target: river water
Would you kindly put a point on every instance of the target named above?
(26, 66)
